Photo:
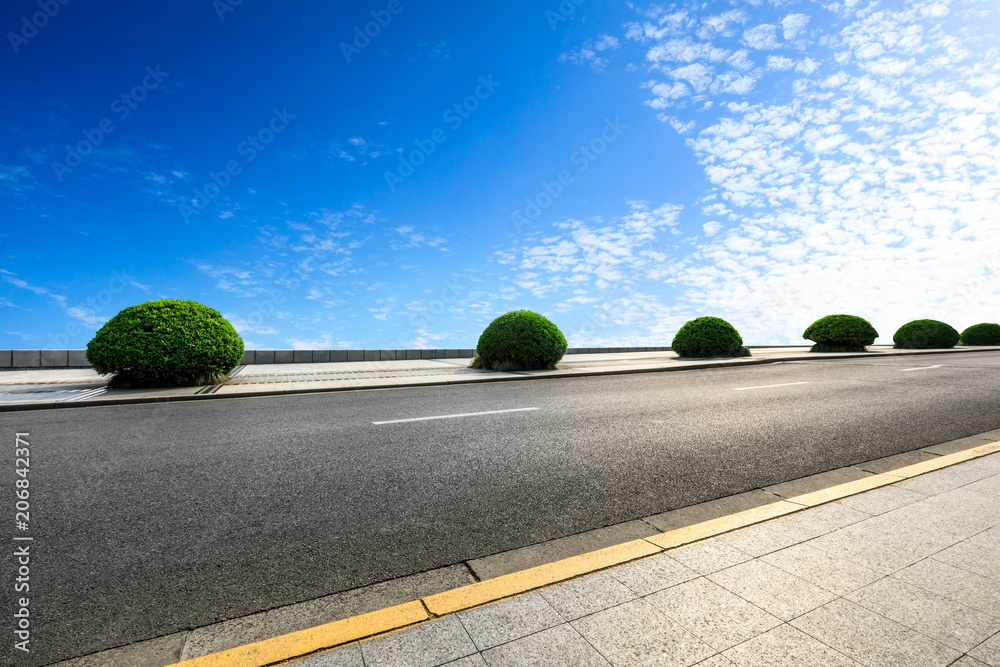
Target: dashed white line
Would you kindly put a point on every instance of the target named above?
(464, 414)
(768, 386)
(921, 368)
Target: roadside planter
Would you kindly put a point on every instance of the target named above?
(709, 337)
(519, 341)
(166, 343)
(981, 334)
(925, 334)
(840, 333)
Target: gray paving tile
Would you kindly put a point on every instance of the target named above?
(759, 539)
(586, 595)
(835, 574)
(561, 646)
(967, 588)
(636, 633)
(944, 519)
(823, 480)
(425, 645)
(713, 509)
(988, 651)
(468, 661)
(818, 521)
(564, 547)
(775, 591)
(964, 512)
(945, 479)
(930, 614)
(968, 661)
(973, 558)
(508, 620)
(881, 543)
(718, 617)
(785, 531)
(872, 639)
(347, 656)
(717, 661)
(784, 646)
(709, 556)
(881, 500)
(988, 539)
(652, 574)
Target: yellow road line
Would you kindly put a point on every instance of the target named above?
(304, 642)
(724, 524)
(508, 585)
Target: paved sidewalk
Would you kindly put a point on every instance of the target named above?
(61, 388)
(904, 575)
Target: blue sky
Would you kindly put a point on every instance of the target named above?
(618, 167)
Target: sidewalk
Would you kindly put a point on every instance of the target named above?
(907, 574)
(65, 388)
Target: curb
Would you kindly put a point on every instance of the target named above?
(338, 633)
(513, 377)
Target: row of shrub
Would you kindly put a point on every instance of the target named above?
(184, 343)
(850, 333)
(522, 340)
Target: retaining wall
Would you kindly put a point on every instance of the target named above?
(78, 358)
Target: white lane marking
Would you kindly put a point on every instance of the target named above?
(90, 393)
(768, 386)
(464, 414)
(921, 368)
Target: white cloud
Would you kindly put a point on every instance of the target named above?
(587, 54)
(793, 25)
(712, 227)
(762, 37)
(780, 63)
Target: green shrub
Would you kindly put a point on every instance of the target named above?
(708, 337)
(166, 343)
(519, 341)
(981, 334)
(924, 334)
(840, 333)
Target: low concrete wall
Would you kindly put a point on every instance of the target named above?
(78, 358)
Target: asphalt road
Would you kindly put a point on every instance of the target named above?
(151, 519)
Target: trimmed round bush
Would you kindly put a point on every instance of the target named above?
(709, 337)
(924, 334)
(166, 343)
(981, 334)
(840, 333)
(519, 341)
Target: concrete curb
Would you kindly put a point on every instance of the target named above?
(338, 633)
(511, 377)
